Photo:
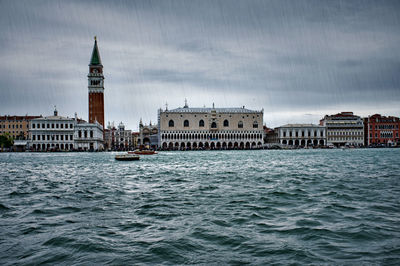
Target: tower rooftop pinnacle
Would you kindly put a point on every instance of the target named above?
(95, 60)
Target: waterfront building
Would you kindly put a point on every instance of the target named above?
(344, 128)
(303, 135)
(16, 126)
(58, 133)
(135, 137)
(52, 133)
(20, 145)
(148, 135)
(118, 138)
(88, 136)
(210, 128)
(270, 135)
(382, 130)
(108, 137)
(96, 87)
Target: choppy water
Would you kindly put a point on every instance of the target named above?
(235, 207)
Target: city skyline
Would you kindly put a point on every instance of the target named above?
(296, 60)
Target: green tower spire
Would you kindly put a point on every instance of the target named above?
(95, 54)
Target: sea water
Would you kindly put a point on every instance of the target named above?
(201, 207)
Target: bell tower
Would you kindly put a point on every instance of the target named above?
(96, 87)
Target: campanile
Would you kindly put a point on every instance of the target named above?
(96, 87)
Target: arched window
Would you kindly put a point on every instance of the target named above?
(186, 123)
(255, 124)
(171, 123)
(226, 123)
(201, 123)
(213, 125)
(240, 124)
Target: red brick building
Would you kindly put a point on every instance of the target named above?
(96, 87)
(382, 130)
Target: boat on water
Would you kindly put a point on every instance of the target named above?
(143, 152)
(127, 157)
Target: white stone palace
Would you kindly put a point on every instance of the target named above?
(210, 128)
(302, 135)
(59, 133)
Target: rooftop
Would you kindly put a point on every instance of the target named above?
(54, 117)
(209, 109)
(18, 117)
(95, 58)
(301, 125)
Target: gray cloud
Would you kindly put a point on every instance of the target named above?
(296, 59)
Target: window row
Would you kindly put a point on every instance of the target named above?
(11, 126)
(303, 134)
(52, 125)
(211, 136)
(95, 82)
(345, 133)
(171, 123)
(384, 127)
(85, 134)
(52, 137)
(45, 147)
(345, 138)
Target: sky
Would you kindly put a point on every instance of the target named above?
(297, 60)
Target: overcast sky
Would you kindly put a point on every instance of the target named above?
(299, 60)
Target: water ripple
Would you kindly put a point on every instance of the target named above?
(236, 207)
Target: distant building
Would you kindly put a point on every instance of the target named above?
(52, 133)
(58, 133)
(96, 87)
(88, 136)
(118, 139)
(382, 130)
(303, 135)
(148, 136)
(16, 126)
(270, 135)
(20, 145)
(210, 128)
(135, 137)
(344, 129)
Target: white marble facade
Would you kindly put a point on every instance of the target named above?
(303, 135)
(210, 128)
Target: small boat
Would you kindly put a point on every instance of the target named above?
(143, 152)
(127, 157)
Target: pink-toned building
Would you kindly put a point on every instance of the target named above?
(382, 130)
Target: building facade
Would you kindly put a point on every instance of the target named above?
(270, 135)
(148, 136)
(88, 136)
(96, 87)
(344, 129)
(52, 133)
(16, 126)
(210, 128)
(302, 135)
(119, 139)
(382, 130)
(58, 133)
